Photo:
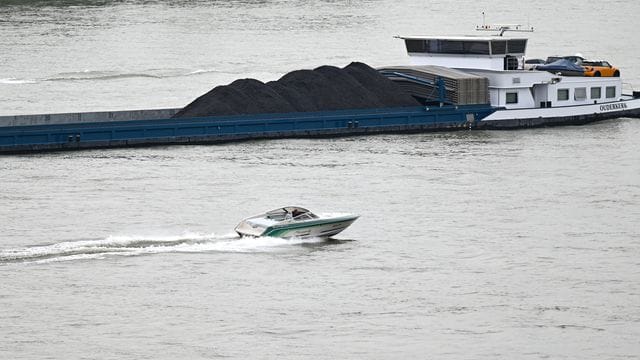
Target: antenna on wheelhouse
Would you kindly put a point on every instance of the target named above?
(502, 28)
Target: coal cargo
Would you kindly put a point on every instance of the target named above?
(388, 93)
(220, 101)
(263, 97)
(313, 86)
(353, 94)
(300, 101)
(356, 86)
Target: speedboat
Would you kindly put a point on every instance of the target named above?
(294, 221)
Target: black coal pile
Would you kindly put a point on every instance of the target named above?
(356, 86)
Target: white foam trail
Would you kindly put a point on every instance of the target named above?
(202, 71)
(100, 75)
(248, 244)
(68, 258)
(142, 245)
(17, 81)
(95, 75)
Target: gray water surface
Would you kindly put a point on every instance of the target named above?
(485, 244)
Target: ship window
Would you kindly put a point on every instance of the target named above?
(476, 47)
(512, 98)
(610, 92)
(563, 94)
(498, 47)
(596, 92)
(432, 46)
(516, 46)
(451, 47)
(415, 45)
(580, 94)
(436, 46)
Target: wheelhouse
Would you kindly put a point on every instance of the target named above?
(478, 52)
(501, 61)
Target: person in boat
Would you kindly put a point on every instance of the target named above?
(288, 215)
(292, 214)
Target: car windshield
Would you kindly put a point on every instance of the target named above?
(574, 59)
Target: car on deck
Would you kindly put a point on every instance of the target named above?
(599, 68)
(576, 59)
(530, 64)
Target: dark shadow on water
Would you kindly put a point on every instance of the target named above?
(326, 243)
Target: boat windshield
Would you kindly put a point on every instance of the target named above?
(290, 213)
(276, 215)
(306, 216)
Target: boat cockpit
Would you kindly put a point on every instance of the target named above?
(290, 213)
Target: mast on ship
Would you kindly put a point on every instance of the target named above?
(502, 28)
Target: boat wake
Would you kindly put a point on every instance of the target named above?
(90, 75)
(144, 245)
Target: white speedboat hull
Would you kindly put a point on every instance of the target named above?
(308, 225)
(322, 228)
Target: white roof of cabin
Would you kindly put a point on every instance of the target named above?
(457, 38)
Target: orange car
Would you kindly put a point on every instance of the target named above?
(599, 68)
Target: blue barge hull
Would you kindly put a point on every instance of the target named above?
(105, 134)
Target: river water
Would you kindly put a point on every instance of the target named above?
(484, 244)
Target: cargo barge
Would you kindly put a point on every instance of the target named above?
(32, 133)
(464, 82)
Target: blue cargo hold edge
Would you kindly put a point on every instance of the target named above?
(201, 130)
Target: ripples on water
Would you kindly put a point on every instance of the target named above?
(512, 242)
(144, 54)
(471, 245)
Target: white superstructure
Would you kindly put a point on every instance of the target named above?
(511, 87)
(520, 89)
(467, 52)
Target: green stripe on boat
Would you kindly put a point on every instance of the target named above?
(279, 231)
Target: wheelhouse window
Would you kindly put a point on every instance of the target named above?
(498, 47)
(447, 46)
(610, 92)
(512, 97)
(476, 47)
(563, 94)
(516, 46)
(415, 45)
(596, 92)
(580, 94)
(438, 46)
